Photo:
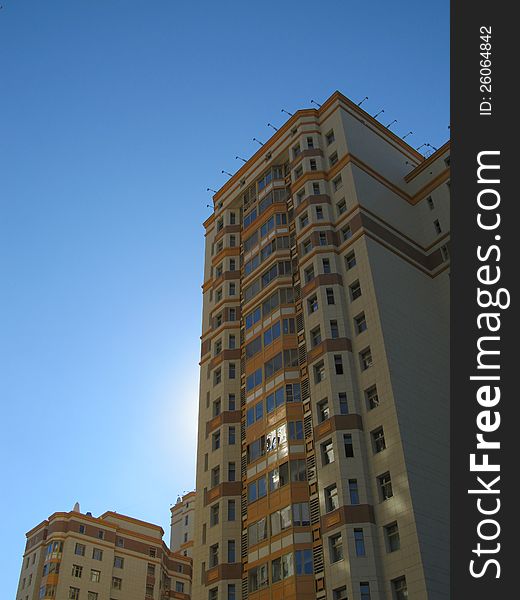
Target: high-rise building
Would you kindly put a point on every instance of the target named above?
(75, 556)
(182, 524)
(323, 446)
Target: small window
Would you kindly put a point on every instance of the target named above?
(329, 137)
(215, 444)
(338, 364)
(316, 188)
(231, 510)
(313, 164)
(353, 491)
(298, 172)
(82, 528)
(214, 515)
(393, 542)
(360, 323)
(119, 562)
(337, 183)
(333, 158)
(445, 253)
(372, 398)
(349, 447)
(336, 548)
(310, 142)
(97, 554)
(79, 549)
(330, 295)
(232, 436)
(400, 589)
(334, 331)
(213, 555)
(346, 233)
(365, 358)
(231, 402)
(359, 542)
(331, 498)
(319, 213)
(364, 590)
(350, 260)
(326, 264)
(95, 575)
(312, 303)
(315, 337)
(327, 452)
(340, 593)
(323, 410)
(306, 246)
(378, 440)
(429, 201)
(309, 274)
(319, 372)
(355, 290)
(117, 583)
(385, 486)
(343, 403)
(437, 226)
(341, 206)
(101, 534)
(304, 220)
(215, 476)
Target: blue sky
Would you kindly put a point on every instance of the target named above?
(115, 116)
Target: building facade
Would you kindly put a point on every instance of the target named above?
(75, 556)
(182, 524)
(323, 443)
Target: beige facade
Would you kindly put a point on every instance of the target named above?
(322, 467)
(182, 524)
(112, 557)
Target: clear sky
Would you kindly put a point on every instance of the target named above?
(115, 116)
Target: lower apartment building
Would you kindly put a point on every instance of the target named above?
(323, 443)
(75, 556)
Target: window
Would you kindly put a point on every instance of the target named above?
(331, 498)
(400, 589)
(77, 570)
(185, 537)
(117, 583)
(215, 440)
(330, 295)
(429, 201)
(232, 289)
(73, 593)
(213, 593)
(349, 448)
(217, 376)
(258, 577)
(319, 213)
(213, 555)
(231, 591)
(334, 332)
(215, 476)
(217, 405)
(313, 164)
(346, 233)
(82, 528)
(298, 172)
(340, 593)
(231, 510)
(79, 549)
(232, 342)
(341, 206)
(359, 542)
(119, 562)
(214, 515)
(232, 371)
(152, 552)
(355, 290)
(350, 260)
(364, 590)
(393, 542)
(378, 440)
(303, 562)
(232, 218)
(97, 554)
(309, 274)
(231, 402)
(337, 183)
(231, 551)
(312, 303)
(315, 337)
(232, 264)
(338, 364)
(301, 514)
(325, 262)
(296, 430)
(296, 150)
(304, 220)
(343, 403)
(385, 486)
(92, 596)
(360, 322)
(336, 547)
(316, 188)
(95, 575)
(319, 372)
(365, 358)
(333, 158)
(329, 137)
(257, 489)
(306, 246)
(437, 226)
(231, 436)
(353, 491)
(323, 410)
(232, 315)
(327, 452)
(445, 253)
(372, 399)
(299, 196)
(101, 534)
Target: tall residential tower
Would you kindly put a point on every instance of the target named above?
(323, 445)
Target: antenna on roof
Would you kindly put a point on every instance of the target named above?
(390, 124)
(317, 104)
(255, 140)
(360, 103)
(211, 190)
(240, 158)
(287, 112)
(409, 133)
(430, 146)
(381, 111)
(227, 173)
(270, 125)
